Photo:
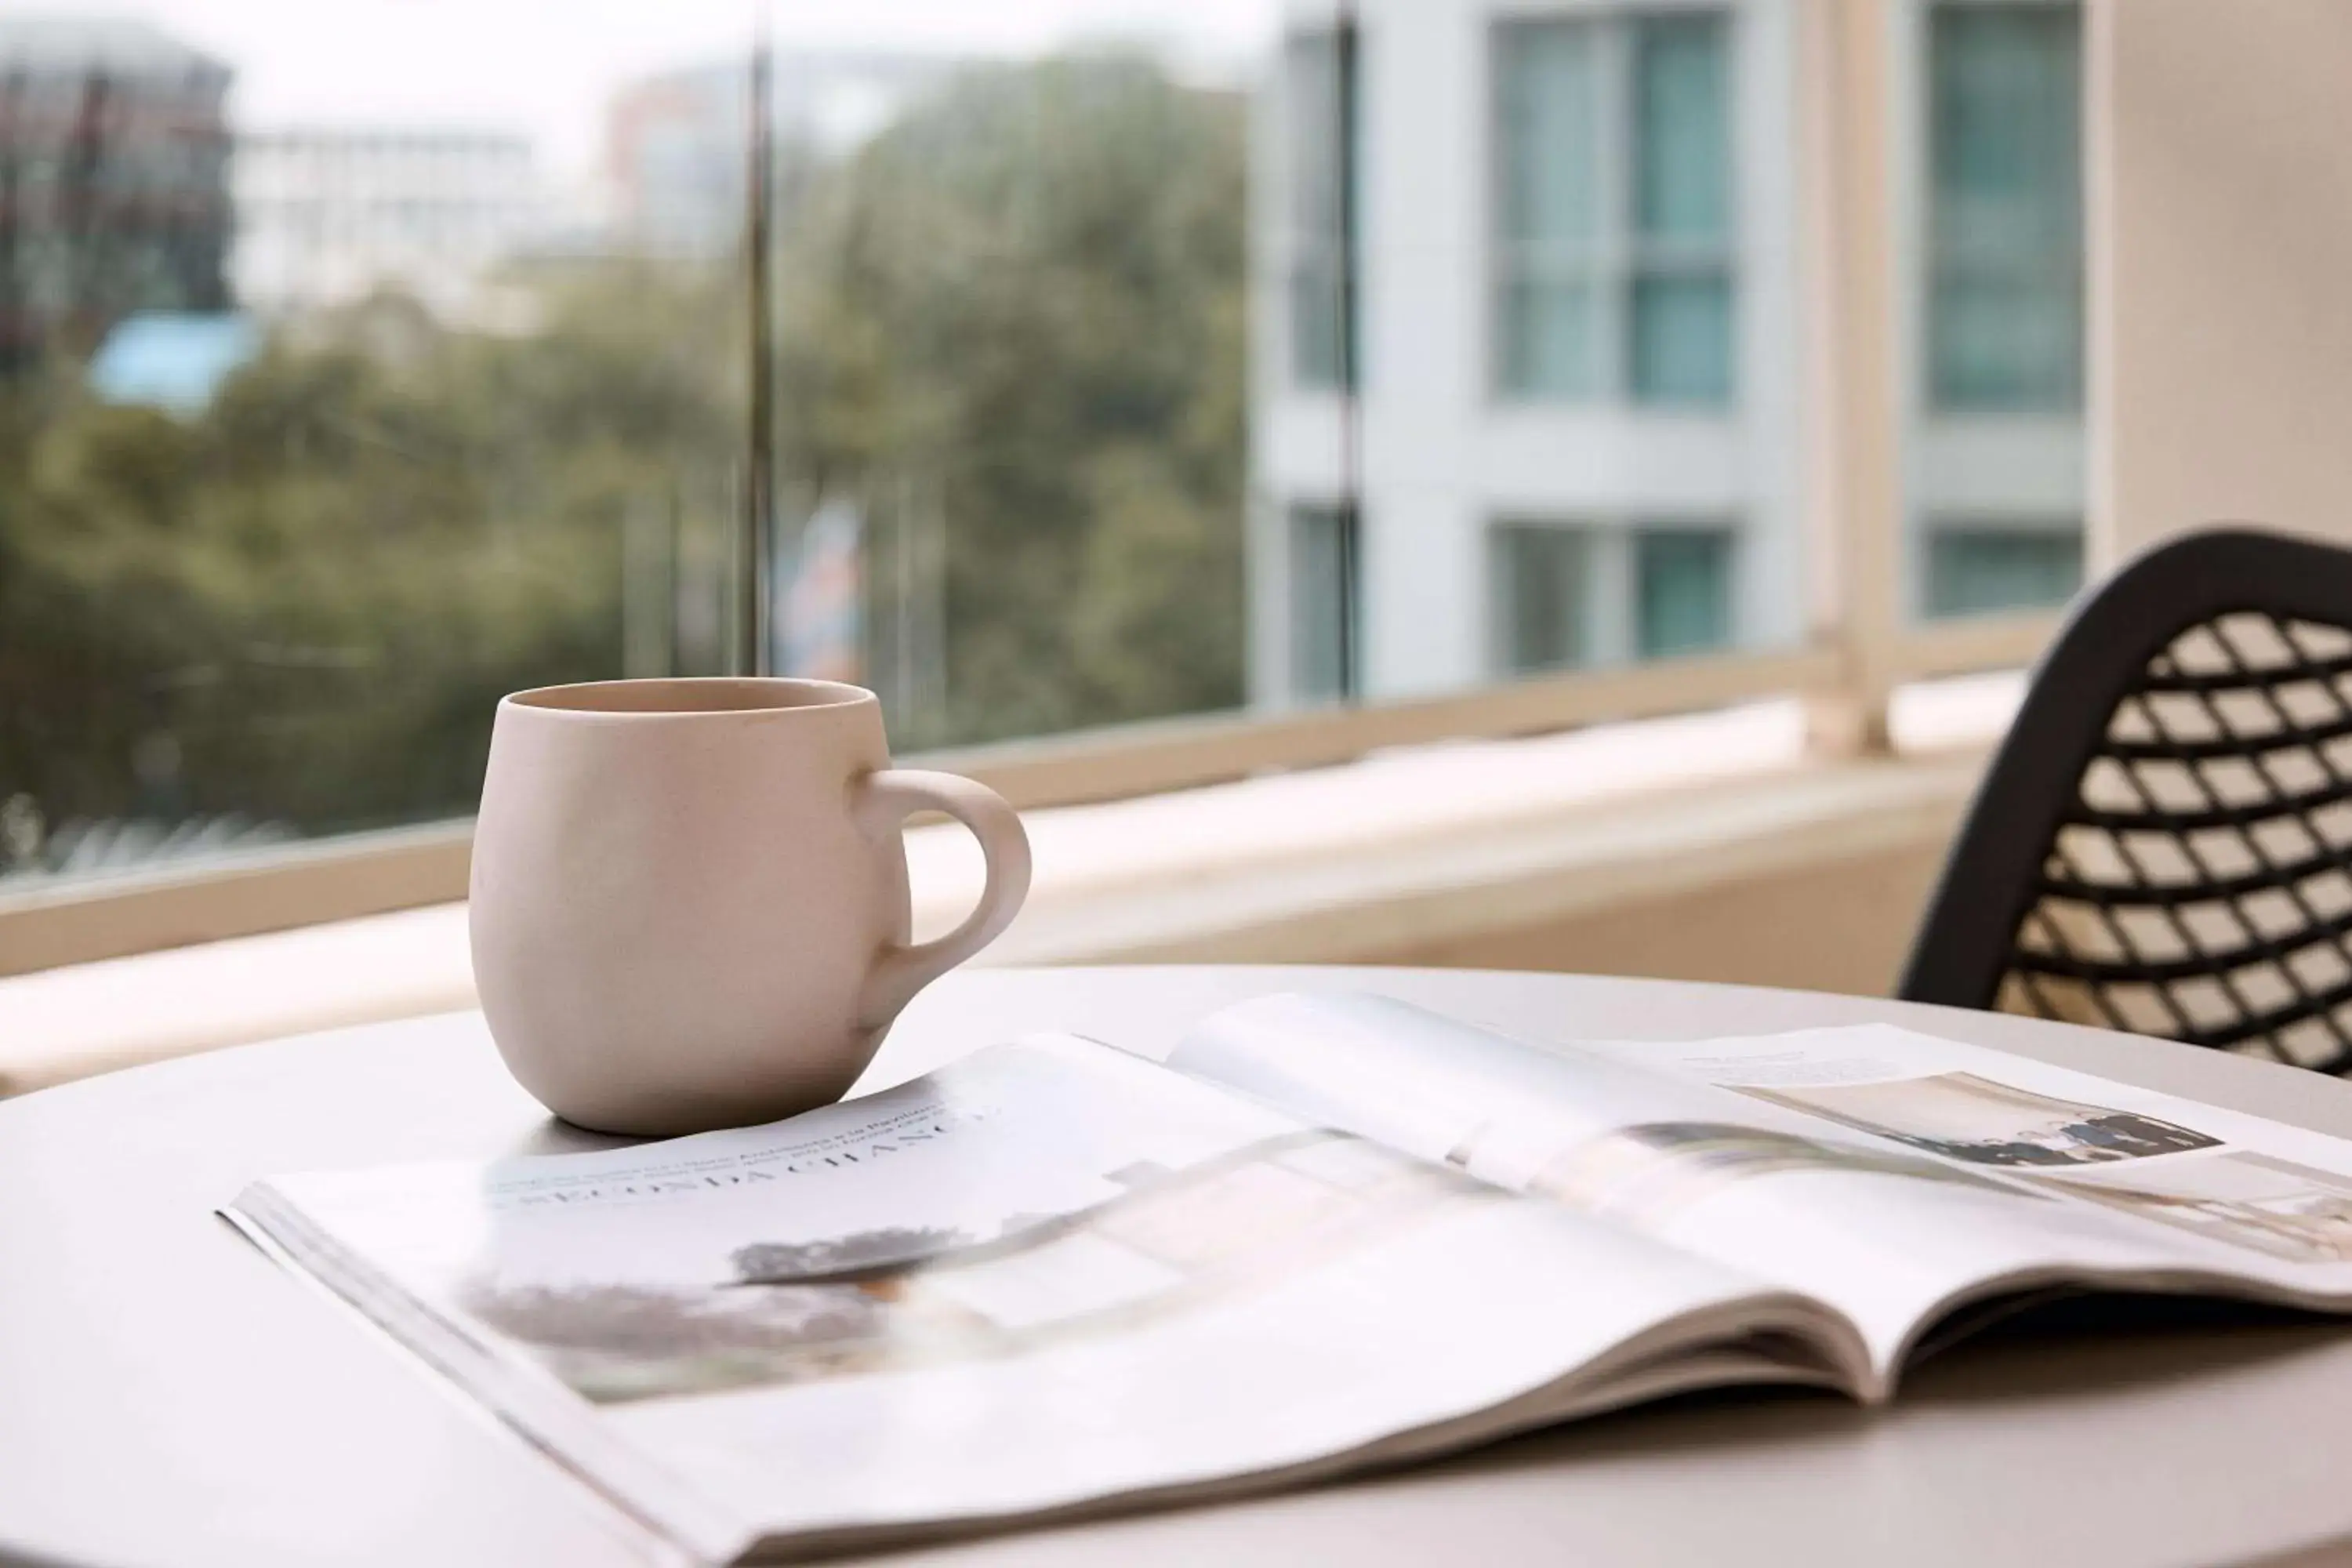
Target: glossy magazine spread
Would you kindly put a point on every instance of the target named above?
(1329, 1231)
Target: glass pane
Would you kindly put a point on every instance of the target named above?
(1975, 569)
(1538, 576)
(1312, 62)
(1323, 338)
(1682, 591)
(1549, 118)
(443, 382)
(2005, 221)
(1680, 339)
(2005, 344)
(1546, 346)
(1316, 325)
(1681, 179)
(1322, 603)
(1011, 323)
(360, 366)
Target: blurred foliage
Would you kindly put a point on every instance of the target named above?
(301, 605)
(304, 603)
(1029, 296)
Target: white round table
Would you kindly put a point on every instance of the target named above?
(167, 1395)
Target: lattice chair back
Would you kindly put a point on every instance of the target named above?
(2163, 843)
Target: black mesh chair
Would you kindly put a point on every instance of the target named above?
(2163, 844)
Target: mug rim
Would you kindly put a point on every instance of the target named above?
(578, 698)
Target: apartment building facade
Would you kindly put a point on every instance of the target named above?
(327, 214)
(1546, 410)
(113, 180)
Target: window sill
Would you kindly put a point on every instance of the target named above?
(76, 921)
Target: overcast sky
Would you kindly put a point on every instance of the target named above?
(546, 67)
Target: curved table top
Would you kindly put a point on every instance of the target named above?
(169, 1395)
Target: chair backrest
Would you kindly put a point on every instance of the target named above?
(2163, 843)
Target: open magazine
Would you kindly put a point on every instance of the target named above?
(1329, 1232)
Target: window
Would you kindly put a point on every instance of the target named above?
(1682, 591)
(1323, 603)
(1539, 581)
(1614, 209)
(1681, 297)
(1548, 100)
(1324, 180)
(1562, 596)
(2005, 223)
(1023, 480)
(1006, 340)
(1973, 569)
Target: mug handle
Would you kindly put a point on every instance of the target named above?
(885, 799)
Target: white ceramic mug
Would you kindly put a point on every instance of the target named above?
(689, 897)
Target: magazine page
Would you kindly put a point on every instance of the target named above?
(2237, 1193)
(1047, 1276)
(1705, 1147)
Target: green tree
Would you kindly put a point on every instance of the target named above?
(304, 603)
(1027, 297)
(1025, 300)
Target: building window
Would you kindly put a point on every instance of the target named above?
(1682, 591)
(1681, 290)
(1614, 209)
(1326, 172)
(1539, 583)
(1548, 206)
(1323, 603)
(2005, 221)
(1561, 596)
(1976, 568)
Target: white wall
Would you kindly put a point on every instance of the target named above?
(2221, 267)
